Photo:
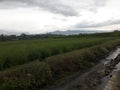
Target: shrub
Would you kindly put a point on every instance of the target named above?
(29, 76)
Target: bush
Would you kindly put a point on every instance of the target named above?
(29, 76)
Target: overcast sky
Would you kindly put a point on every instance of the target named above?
(40, 16)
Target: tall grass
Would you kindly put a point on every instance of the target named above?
(20, 52)
(29, 76)
(80, 59)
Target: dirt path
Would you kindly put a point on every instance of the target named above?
(95, 79)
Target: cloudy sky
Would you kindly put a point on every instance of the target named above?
(40, 16)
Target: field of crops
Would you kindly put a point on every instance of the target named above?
(19, 52)
(32, 64)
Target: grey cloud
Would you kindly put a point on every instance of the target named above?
(50, 5)
(96, 4)
(57, 6)
(100, 3)
(94, 25)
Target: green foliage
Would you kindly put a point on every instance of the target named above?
(20, 52)
(25, 77)
(80, 59)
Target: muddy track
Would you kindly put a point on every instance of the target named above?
(95, 79)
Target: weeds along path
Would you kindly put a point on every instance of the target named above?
(95, 79)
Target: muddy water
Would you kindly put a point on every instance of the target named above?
(114, 54)
(105, 79)
(111, 84)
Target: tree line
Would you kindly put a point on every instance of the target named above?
(26, 37)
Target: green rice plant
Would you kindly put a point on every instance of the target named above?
(19, 52)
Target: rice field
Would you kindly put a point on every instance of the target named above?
(33, 64)
(20, 52)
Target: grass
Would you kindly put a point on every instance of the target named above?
(19, 52)
(80, 59)
(29, 76)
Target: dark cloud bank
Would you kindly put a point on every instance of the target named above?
(54, 6)
(49, 5)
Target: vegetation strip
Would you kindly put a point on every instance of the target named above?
(21, 52)
(80, 59)
(37, 74)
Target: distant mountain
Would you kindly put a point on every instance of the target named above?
(73, 32)
(5, 32)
